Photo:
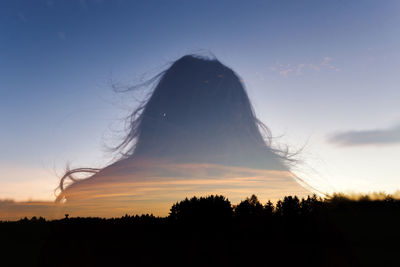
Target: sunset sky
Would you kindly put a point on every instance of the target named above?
(322, 75)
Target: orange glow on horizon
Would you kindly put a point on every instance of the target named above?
(140, 194)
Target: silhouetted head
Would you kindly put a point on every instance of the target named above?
(199, 111)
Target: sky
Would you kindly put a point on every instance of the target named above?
(322, 75)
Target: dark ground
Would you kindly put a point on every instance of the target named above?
(210, 232)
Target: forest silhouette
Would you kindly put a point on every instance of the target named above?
(210, 231)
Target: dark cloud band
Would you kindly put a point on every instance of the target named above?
(367, 137)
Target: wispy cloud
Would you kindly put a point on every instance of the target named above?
(298, 69)
(314, 67)
(367, 137)
(285, 72)
(327, 62)
(154, 187)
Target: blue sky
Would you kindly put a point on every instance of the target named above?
(318, 72)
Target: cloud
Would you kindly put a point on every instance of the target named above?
(300, 68)
(285, 72)
(367, 137)
(314, 67)
(326, 62)
(154, 187)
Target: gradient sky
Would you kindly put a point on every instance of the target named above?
(323, 75)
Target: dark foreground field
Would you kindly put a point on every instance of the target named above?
(211, 232)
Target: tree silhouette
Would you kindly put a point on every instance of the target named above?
(310, 204)
(290, 206)
(250, 207)
(207, 231)
(269, 208)
(202, 210)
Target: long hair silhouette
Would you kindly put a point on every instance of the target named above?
(198, 112)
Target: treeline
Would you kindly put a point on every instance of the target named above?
(219, 208)
(211, 231)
